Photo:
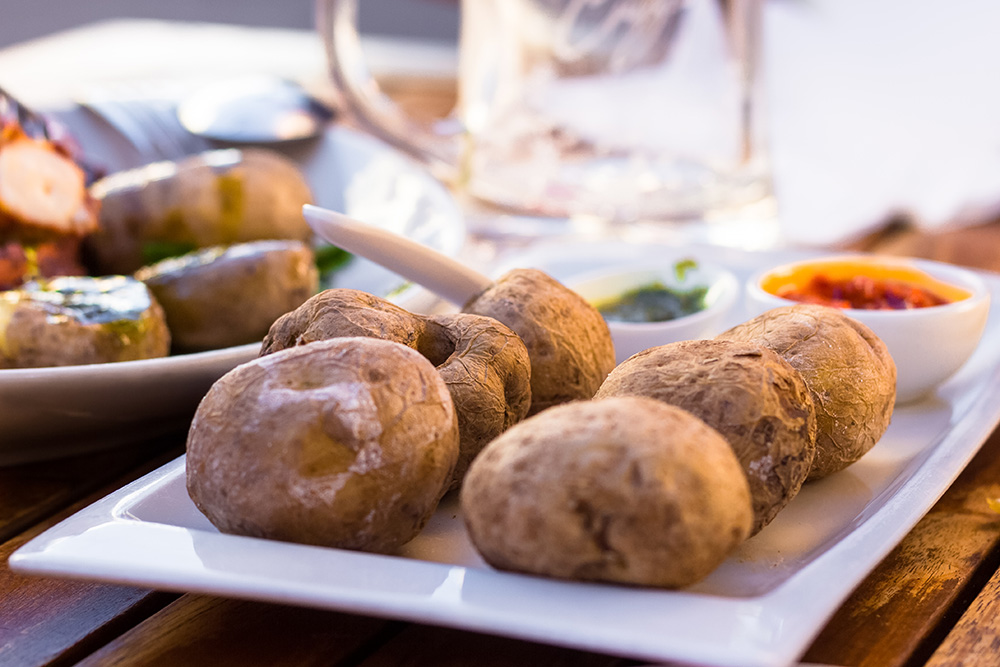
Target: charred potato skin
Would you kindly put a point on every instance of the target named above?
(484, 363)
(848, 369)
(627, 490)
(567, 339)
(749, 394)
(216, 198)
(347, 443)
(233, 295)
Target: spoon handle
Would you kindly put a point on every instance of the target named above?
(438, 273)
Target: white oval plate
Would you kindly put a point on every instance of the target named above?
(50, 412)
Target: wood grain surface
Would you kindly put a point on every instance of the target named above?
(975, 639)
(899, 614)
(47, 621)
(198, 630)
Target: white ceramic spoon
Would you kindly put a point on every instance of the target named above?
(442, 275)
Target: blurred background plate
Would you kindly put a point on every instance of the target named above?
(51, 412)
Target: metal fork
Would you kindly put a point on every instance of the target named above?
(146, 116)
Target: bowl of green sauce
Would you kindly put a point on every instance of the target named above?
(646, 305)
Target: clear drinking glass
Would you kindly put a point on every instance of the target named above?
(625, 110)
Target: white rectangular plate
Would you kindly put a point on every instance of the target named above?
(760, 608)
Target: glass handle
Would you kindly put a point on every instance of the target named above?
(431, 144)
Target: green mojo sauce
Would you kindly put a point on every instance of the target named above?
(654, 302)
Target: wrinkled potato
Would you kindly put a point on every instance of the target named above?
(224, 296)
(71, 321)
(628, 490)
(568, 340)
(345, 443)
(749, 394)
(484, 364)
(216, 198)
(847, 368)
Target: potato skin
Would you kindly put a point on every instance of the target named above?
(749, 394)
(346, 443)
(849, 372)
(224, 296)
(628, 490)
(215, 198)
(40, 328)
(341, 312)
(484, 364)
(568, 340)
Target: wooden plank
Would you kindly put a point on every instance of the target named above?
(200, 630)
(33, 491)
(974, 247)
(899, 614)
(425, 99)
(46, 621)
(445, 647)
(975, 640)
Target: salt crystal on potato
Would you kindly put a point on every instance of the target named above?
(749, 394)
(345, 443)
(627, 490)
(849, 372)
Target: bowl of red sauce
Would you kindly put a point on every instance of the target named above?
(931, 315)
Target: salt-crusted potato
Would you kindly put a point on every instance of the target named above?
(216, 198)
(749, 394)
(230, 295)
(484, 364)
(345, 443)
(71, 321)
(847, 368)
(627, 490)
(568, 340)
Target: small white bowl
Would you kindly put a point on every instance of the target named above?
(928, 344)
(630, 337)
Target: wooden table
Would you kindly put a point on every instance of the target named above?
(935, 600)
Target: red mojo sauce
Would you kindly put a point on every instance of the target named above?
(862, 292)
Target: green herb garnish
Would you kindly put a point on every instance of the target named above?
(329, 258)
(682, 267)
(154, 251)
